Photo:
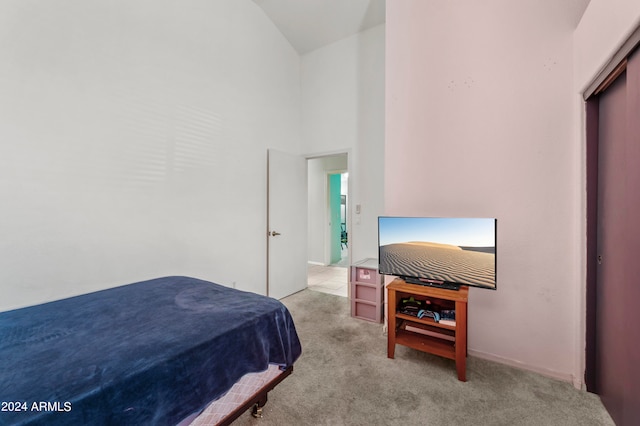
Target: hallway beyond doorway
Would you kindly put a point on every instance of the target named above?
(330, 279)
(329, 236)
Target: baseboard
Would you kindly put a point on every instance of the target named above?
(569, 378)
(310, 262)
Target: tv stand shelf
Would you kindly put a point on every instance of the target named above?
(425, 334)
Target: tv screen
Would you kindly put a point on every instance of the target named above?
(444, 252)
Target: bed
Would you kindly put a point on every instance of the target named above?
(156, 352)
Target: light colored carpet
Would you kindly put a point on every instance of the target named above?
(345, 378)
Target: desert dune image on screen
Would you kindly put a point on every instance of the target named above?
(454, 250)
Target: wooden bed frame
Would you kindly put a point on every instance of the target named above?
(257, 401)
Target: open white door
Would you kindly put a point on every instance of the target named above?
(286, 224)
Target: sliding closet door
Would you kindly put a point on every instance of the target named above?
(632, 293)
(617, 306)
(611, 343)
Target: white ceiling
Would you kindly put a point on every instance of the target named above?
(310, 24)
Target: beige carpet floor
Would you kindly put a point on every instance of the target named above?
(345, 378)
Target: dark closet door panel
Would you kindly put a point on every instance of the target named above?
(617, 306)
(592, 111)
(611, 343)
(632, 289)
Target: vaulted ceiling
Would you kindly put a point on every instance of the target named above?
(311, 24)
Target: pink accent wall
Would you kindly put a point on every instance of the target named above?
(484, 117)
(480, 121)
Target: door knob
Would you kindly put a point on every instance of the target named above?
(274, 233)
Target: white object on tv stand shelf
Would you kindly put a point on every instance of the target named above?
(367, 290)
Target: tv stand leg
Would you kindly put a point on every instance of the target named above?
(391, 324)
(461, 341)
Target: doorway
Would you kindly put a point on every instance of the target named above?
(329, 223)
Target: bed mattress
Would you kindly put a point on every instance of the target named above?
(153, 352)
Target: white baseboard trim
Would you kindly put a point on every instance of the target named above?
(310, 262)
(565, 377)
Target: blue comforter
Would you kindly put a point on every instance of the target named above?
(152, 352)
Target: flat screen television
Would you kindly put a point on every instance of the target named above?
(441, 252)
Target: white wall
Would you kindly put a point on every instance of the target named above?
(133, 141)
(343, 110)
(480, 122)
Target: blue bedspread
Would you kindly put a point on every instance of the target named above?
(152, 352)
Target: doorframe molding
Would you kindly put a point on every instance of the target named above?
(603, 78)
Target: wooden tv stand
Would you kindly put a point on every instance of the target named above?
(449, 341)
